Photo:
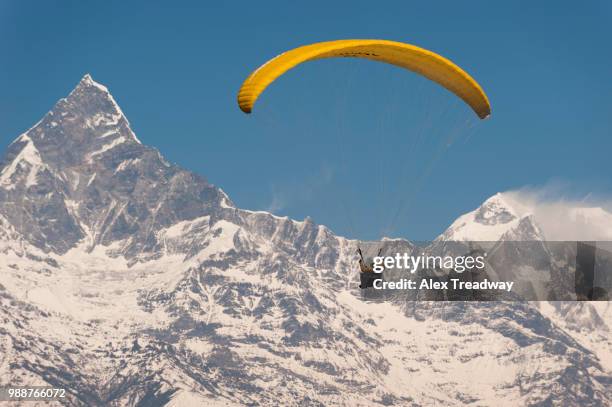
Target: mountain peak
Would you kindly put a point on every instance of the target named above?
(495, 210)
(82, 176)
(88, 116)
(86, 79)
(88, 82)
(488, 222)
(500, 201)
(96, 97)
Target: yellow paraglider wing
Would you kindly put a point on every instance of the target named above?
(419, 60)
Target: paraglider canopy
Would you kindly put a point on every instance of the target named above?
(416, 59)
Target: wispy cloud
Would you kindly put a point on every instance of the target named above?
(284, 196)
(278, 202)
(562, 214)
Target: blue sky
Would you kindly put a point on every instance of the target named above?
(316, 140)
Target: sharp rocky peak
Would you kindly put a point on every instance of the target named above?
(86, 126)
(81, 173)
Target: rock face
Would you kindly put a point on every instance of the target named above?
(130, 281)
(82, 174)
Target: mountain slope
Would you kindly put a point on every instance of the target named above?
(130, 281)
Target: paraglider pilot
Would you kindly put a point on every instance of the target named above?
(367, 275)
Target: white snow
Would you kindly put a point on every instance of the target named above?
(105, 119)
(91, 179)
(28, 157)
(106, 147)
(224, 240)
(91, 285)
(199, 345)
(109, 133)
(126, 163)
(185, 398)
(184, 227)
(466, 227)
(225, 201)
(583, 321)
(431, 360)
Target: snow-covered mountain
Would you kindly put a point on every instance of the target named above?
(495, 218)
(524, 241)
(525, 220)
(130, 281)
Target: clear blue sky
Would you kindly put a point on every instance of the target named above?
(175, 68)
